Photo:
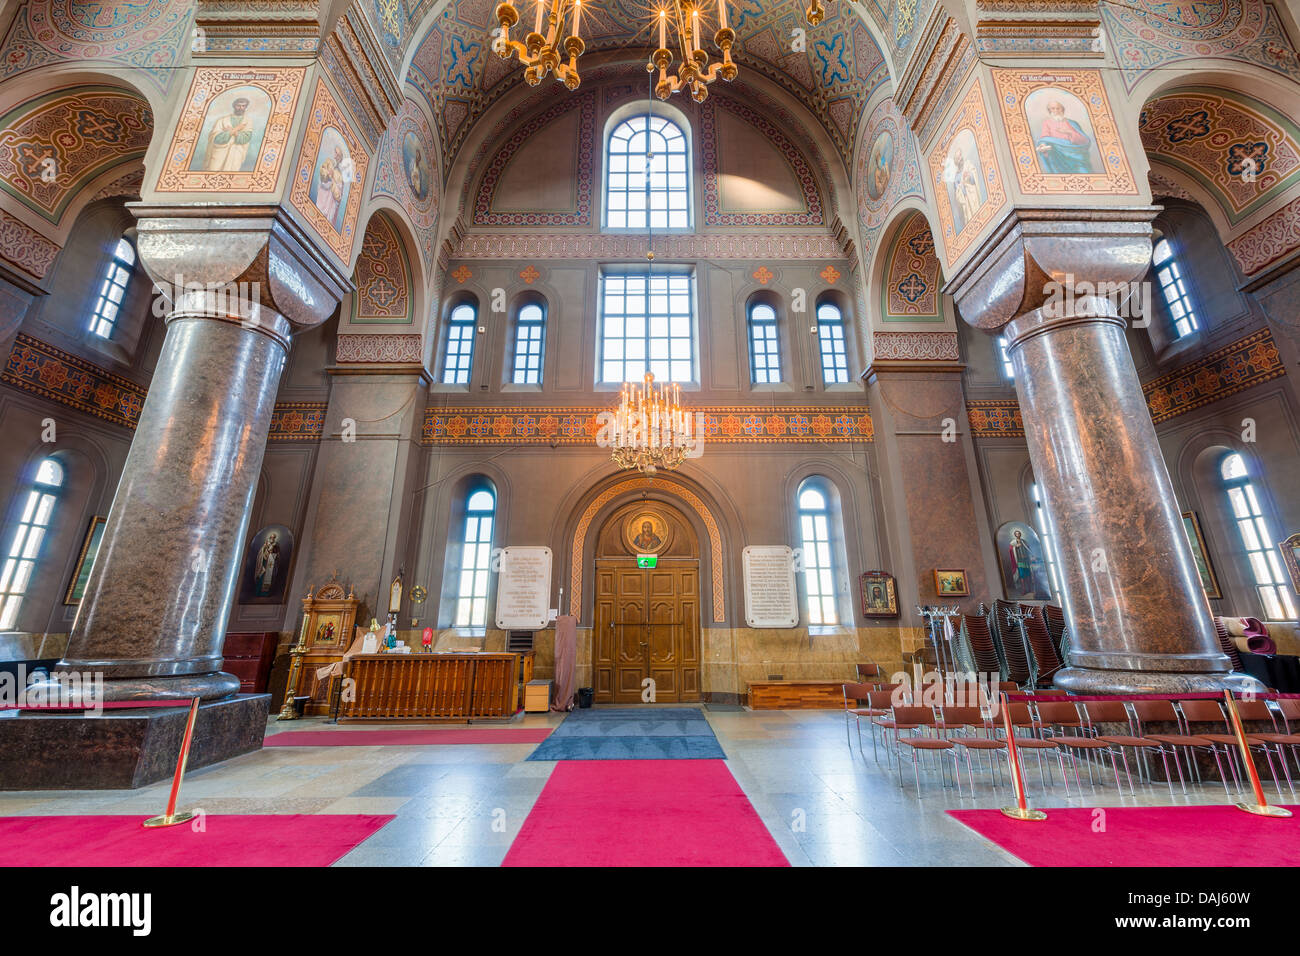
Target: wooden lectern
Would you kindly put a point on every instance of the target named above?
(328, 623)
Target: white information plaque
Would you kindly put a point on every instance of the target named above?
(771, 599)
(524, 589)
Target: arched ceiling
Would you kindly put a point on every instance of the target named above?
(832, 69)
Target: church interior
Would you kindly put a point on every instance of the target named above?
(649, 432)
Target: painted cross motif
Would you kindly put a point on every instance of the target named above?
(763, 274)
(830, 274)
(530, 275)
(461, 274)
(912, 288)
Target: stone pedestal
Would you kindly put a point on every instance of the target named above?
(123, 748)
(1139, 621)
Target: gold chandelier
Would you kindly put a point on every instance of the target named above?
(695, 72)
(540, 51)
(650, 429)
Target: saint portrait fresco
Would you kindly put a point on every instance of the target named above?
(880, 164)
(233, 128)
(963, 177)
(1024, 570)
(416, 164)
(646, 532)
(1062, 132)
(333, 177)
(266, 566)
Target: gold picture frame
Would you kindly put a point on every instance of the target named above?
(1291, 558)
(85, 561)
(1201, 555)
(951, 582)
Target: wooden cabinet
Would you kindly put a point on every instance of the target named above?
(328, 625)
(249, 657)
(432, 687)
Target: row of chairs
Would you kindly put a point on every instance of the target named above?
(1076, 732)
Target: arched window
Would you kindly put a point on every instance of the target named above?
(1174, 289)
(646, 324)
(459, 357)
(112, 290)
(1008, 370)
(476, 557)
(1265, 565)
(647, 180)
(814, 507)
(25, 548)
(830, 334)
(1045, 538)
(764, 350)
(530, 337)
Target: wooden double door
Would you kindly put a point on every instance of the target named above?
(647, 626)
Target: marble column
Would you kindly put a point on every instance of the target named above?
(154, 614)
(1139, 621)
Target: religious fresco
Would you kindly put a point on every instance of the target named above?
(912, 278)
(1062, 133)
(1241, 151)
(232, 132)
(1151, 35)
(330, 170)
(266, 566)
(382, 277)
(966, 180)
(54, 145)
(888, 169)
(1024, 570)
(880, 164)
(152, 36)
(407, 171)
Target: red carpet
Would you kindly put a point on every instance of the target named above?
(227, 840)
(405, 738)
(1144, 836)
(643, 813)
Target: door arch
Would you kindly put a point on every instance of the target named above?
(647, 619)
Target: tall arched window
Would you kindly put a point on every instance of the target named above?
(1174, 289)
(764, 350)
(1008, 370)
(530, 337)
(476, 557)
(459, 357)
(25, 548)
(830, 335)
(815, 527)
(647, 179)
(112, 290)
(1265, 565)
(1045, 539)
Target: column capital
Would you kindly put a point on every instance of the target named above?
(256, 248)
(1035, 254)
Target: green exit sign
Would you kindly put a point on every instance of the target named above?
(647, 560)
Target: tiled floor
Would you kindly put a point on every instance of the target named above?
(824, 802)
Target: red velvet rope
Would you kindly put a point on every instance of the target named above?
(1051, 697)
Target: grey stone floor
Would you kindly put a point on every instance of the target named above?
(824, 803)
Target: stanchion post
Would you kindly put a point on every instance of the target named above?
(171, 817)
(1021, 810)
(1260, 807)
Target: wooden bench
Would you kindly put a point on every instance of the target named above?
(797, 694)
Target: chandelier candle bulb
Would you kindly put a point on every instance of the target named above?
(577, 16)
(722, 14)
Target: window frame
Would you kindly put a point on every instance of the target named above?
(603, 338)
(1262, 561)
(625, 117)
(21, 552)
(461, 600)
(842, 339)
(519, 325)
(449, 336)
(834, 541)
(1169, 274)
(772, 342)
(116, 276)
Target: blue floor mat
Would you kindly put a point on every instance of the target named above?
(642, 733)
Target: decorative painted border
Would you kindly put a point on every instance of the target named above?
(41, 369)
(24, 247)
(378, 348)
(714, 246)
(382, 277)
(282, 84)
(639, 484)
(1269, 241)
(912, 278)
(973, 115)
(915, 346)
(755, 424)
(325, 112)
(483, 214)
(1226, 371)
(713, 214)
(1014, 86)
(297, 421)
(995, 418)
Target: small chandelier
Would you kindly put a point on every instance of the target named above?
(540, 51)
(650, 430)
(695, 72)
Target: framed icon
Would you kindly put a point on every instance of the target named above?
(879, 595)
(951, 582)
(85, 561)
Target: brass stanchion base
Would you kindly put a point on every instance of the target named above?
(1016, 813)
(1264, 810)
(185, 816)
